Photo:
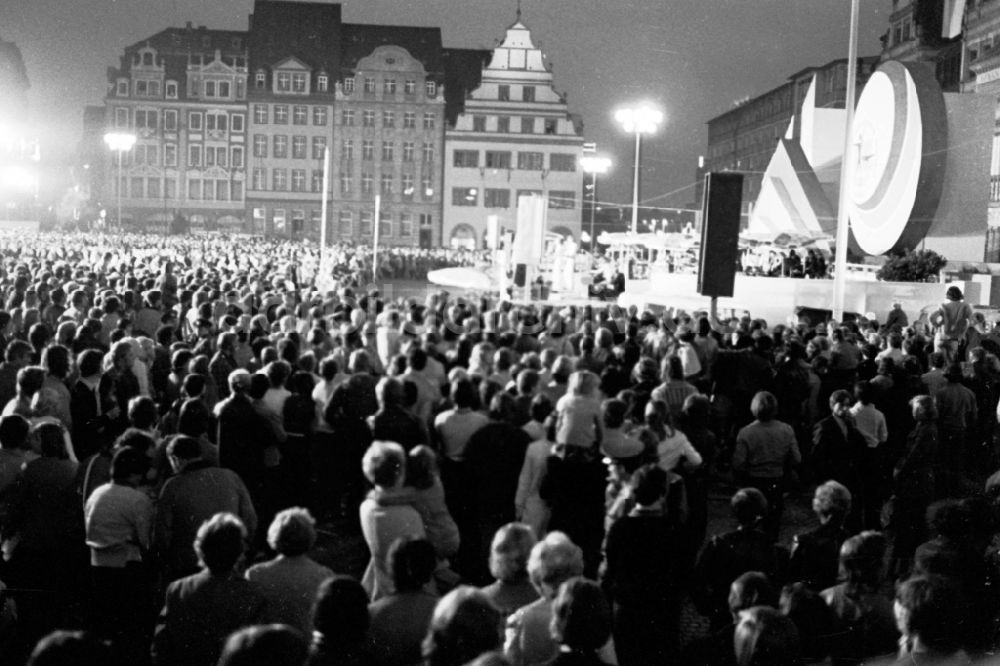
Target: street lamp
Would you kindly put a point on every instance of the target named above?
(638, 120)
(594, 165)
(121, 143)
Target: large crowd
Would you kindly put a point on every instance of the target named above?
(180, 416)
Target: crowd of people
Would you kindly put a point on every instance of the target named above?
(532, 482)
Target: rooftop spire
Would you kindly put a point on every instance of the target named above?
(518, 10)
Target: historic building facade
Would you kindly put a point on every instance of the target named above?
(516, 136)
(182, 93)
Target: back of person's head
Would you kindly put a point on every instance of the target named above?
(751, 588)
(581, 617)
(932, 608)
(749, 506)
(502, 407)
(764, 406)
(614, 412)
(527, 381)
(340, 612)
(384, 464)
(18, 351)
(862, 558)
(812, 616)
(416, 358)
(56, 359)
(127, 463)
(465, 624)
(265, 645)
(421, 467)
(136, 439)
(765, 637)
(14, 431)
(142, 412)
(30, 380)
(864, 392)
(553, 560)
(949, 518)
(649, 484)
(71, 648)
(832, 500)
(292, 532)
(509, 552)
(259, 386)
(220, 543)
(184, 448)
(329, 368)
(390, 392)
(463, 393)
(239, 381)
(412, 563)
(50, 439)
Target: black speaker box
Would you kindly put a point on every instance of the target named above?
(720, 233)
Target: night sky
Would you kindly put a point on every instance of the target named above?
(692, 57)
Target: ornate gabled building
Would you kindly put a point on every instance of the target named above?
(182, 93)
(515, 136)
(19, 152)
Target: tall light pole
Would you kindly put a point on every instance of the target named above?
(638, 120)
(121, 143)
(594, 165)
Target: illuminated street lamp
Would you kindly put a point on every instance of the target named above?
(594, 165)
(638, 120)
(121, 143)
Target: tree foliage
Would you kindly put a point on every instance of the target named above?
(912, 266)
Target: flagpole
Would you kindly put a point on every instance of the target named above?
(323, 213)
(378, 204)
(846, 173)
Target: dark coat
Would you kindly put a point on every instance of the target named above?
(242, 436)
(91, 431)
(837, 456)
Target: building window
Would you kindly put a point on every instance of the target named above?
(194, 189)
(259, 179)
(349, 85)
(366, 223)
(216, 122)
(407, 185)
(298, 180)
(345, 183)
(280, 114)
(388, 119)
(121, 117)
(389, 86)
(370, 86)
(531, 161)
(280, 222)
(171, 88)
(503, 93)
(347, 149)
(425, 186)
(385, 183)
(525, 193)
(122, 88)
(408, 151)
(316, 181)
(466, 158)
(497, 159)
(283, 82)
(260, 114)
(279, 180)
(366, 183)
(215, 156)
(388, 151)
(410, 87)
(479, 123)
(527, 125)
(409, 120)
(236, 188)
(169, 188)
(564, 200)
(169, 155)
(562, 162)
(528, 93)
(496, 198)
(299, 147)
(464, 196)
(384, 224)
(429, 121)
(431, 88)
(344, 223)
(298, 220)
(260, 145)
(319, 116)
(194, 156)
(170, 120)
(428, 153)
(237, 158)
(146, 119)
(279, 145)
(347, 117)
(322, 82)
(367, 149)
(405, 225)
(503, 124)
(299, 82)
(260, 79)
(300, 115)
(550, 125)
(236, 123)
(318, 146)
(368, 118)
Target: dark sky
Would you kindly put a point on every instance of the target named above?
(692, 57)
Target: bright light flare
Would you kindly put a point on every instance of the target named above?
(639, 120)
(119, 141)
(18, 178)
(595, 164)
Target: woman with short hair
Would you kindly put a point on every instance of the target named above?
(512, 544)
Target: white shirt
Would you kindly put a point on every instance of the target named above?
(870, 423)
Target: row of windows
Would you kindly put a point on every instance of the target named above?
(291, 83)
(506, 124)
(527, 93)
(390, 86)
(197, 87)
(197, 121)
(390, 225)
(197, 155)
(287, 180)
(500, 198)
(526, 160)
(280, 114)
(387, 185)
(388, 150)
(280, 146)
(408, 120)
(197, 189)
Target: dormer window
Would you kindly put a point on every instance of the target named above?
(121, 89)
(299, 82)
(237, 43)
(349, 85)
(322, 82)
(147, 59)
(260, 79)
(431, 88)
(171, 89)
(284, 82)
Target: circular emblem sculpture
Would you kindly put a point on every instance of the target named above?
(899, 139)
